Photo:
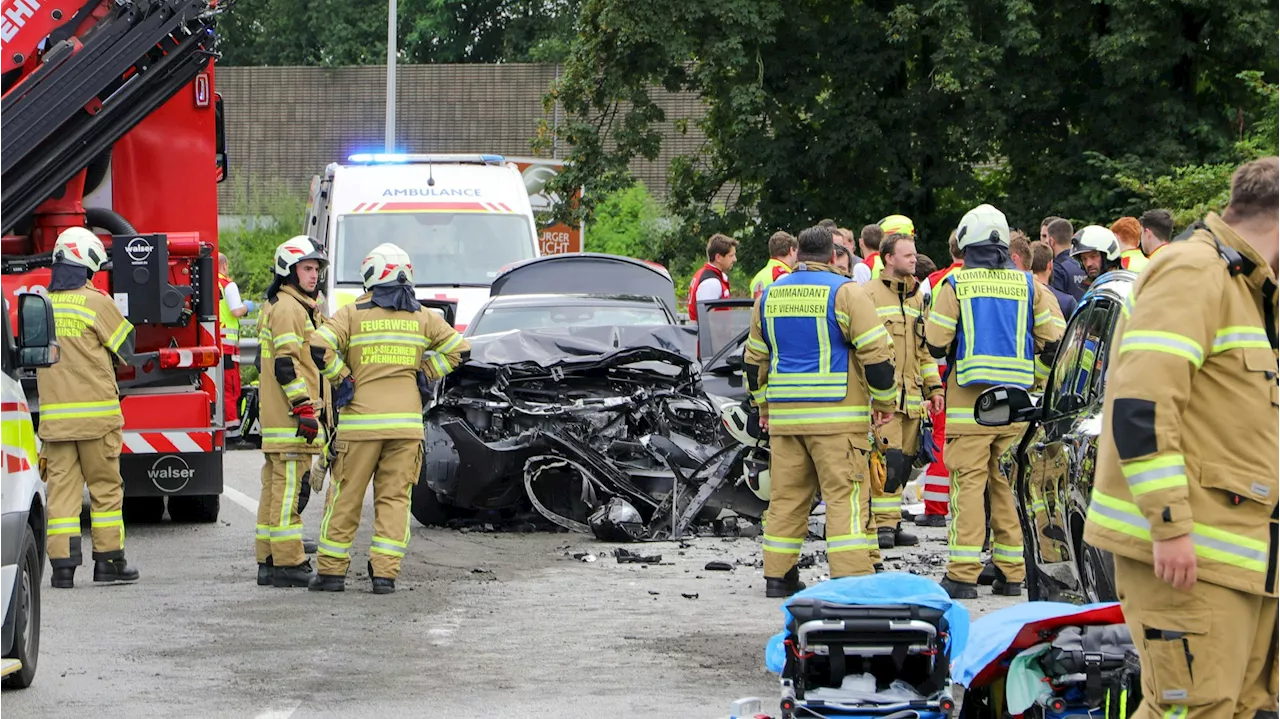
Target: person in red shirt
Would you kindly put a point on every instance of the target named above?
(936, 491)
(712, 281)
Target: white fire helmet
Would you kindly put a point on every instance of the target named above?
(386, 264)
(1096, 238)
(78, 246)
(980, 224)
(295, 250)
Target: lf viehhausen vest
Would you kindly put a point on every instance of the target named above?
(809, 361)
(994, 339)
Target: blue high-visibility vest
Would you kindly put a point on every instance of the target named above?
(809, 355)
(994, 336)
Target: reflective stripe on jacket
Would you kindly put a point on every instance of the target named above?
(1189, 432)
(230, 324)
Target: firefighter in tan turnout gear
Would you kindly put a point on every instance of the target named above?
(292, 402)
(1185, 494)
(80, 419)
(901, 307)
(819, 366)
(374, 350)
(989, 320)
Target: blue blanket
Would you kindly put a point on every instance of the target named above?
(883, 588)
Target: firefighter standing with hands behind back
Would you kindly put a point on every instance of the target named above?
(989, 320)
(1185, 493)
(901, 307)
(818, 362)
(290, 396)
(373, 351)
(80, 419)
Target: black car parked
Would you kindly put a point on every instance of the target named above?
(1053, 464)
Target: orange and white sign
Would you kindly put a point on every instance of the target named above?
(553, 238)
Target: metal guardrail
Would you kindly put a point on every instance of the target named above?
(248, 350)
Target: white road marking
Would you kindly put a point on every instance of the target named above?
(277, 713)
(250, 504)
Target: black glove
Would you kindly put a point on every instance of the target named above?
(345, 392)
(304, 494)
(896, 470)
(308, 425)
(424, 387)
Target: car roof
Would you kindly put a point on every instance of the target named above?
(544, 300)
(1116, 284)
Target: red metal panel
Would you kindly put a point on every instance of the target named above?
(164, 411)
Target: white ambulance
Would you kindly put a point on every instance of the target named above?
(462, 218)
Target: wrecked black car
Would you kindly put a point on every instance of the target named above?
(1053, 463)
(595, 428)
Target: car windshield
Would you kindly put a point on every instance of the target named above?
(503, 319)
(447, 248)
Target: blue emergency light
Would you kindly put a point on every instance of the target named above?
(393, 158)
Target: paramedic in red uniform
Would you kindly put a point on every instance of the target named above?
(937, 483)
(712, 281)
(231, 308)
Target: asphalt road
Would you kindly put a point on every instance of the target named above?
(482, 625)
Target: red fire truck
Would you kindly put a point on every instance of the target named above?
(111, 121)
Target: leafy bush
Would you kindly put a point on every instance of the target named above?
(274, 215)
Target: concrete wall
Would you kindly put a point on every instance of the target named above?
(284, 124)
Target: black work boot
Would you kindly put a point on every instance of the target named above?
(902, 539)
(1006, 588)
(299, 576)
(384, 585)
(783, 586)
(931, 520)
(266, 570)
(328, 583)
(63, 577)
(114, 570)
(308, 546)
(959, 590)
(879, 567)
(884, 535)
(990, 573)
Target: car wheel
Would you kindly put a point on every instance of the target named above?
(201, 508)
(1097, 574)
(26, 604)
(143, 510)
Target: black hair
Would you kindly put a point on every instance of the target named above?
(815, 245)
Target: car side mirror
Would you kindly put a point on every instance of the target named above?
(37, 340)
(734, 362)
(1004, 405)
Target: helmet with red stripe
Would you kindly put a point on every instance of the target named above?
(295, 250)
(386, 264)
(78, 246)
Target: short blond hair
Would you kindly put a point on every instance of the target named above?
(1254, 189)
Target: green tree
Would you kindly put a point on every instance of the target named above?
(334, 33)
(820, 108)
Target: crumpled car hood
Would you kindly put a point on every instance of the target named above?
(539, 350)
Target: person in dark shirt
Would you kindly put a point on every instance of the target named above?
(1067, 273)
(1042, 269)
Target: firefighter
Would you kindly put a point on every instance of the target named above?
(901, 307)
(230, 309)
(1098, 252)
(80, 418)
(782, 257)
(1185, 492)
(373, 350)
(989, 320)
(814, 348)
(291, 407)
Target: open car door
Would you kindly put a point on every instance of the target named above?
(447, 308)
(587, 273)
(722, 333)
